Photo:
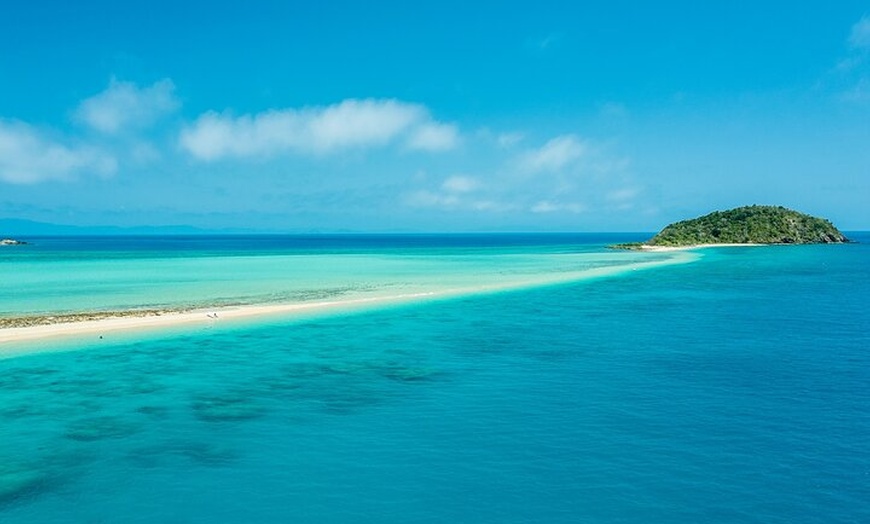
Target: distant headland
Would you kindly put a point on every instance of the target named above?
(748, 225)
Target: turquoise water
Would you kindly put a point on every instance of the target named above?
(730, 389)
(60, 275)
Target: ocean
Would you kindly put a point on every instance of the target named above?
(723, 385)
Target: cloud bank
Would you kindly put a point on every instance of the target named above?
(499, 174)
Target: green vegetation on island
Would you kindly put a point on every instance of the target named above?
(746, 225)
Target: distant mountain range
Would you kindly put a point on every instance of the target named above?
(16, 227)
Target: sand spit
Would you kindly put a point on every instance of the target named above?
(96, 324)
(20, 329)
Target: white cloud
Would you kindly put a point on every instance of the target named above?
(458, 193)
(847, 64)
(424, 198)
(434, 136)
(563, 178)
(460, 184)
(859, 93)
(506, 140)
(144, 153)
(545, 42)
(456, 202)
(622, 199)
(622, 195)
(490, 205)
(124, 105)
(351, 123)
(546, 206)
(614, 110)
(554, 155)
(860, 36)
(28, 157)
(359, 122)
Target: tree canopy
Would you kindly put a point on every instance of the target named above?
(750, 225)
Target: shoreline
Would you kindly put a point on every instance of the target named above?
(87, 325)
(74, 324)
(664, 249)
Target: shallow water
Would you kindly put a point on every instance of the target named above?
(732, 389)
(62, 275)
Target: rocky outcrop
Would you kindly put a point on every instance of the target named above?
(11, 242)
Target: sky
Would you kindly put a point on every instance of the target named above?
(281, 116)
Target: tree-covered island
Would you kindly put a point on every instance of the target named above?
(745, 225)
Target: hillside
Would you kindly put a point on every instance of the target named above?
(749, 225)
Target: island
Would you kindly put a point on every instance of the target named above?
(748, 225)
(11, 242)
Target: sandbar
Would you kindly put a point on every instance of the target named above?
(87, 325)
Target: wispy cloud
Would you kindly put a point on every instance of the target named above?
(623, 198)
(508, 140)
(460, 184)
(859, 92)
(547, 206)
(860, 36)
(434, 136)
(851, 76)
(454, 193)
(126, 106)
(459, 193)
(613, 111)
(553, 156)
(426, 198)
(542, 43)
(566, 175)
(316, 130)
(623, 194)
(28, 156)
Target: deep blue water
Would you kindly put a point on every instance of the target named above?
(731, 389)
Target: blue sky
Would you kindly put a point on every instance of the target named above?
(434, 116)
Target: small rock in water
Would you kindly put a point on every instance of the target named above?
(12, 242)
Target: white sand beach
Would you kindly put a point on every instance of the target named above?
(664, 249)
(200, 317)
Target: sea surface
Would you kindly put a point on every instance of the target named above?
(722, 385)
